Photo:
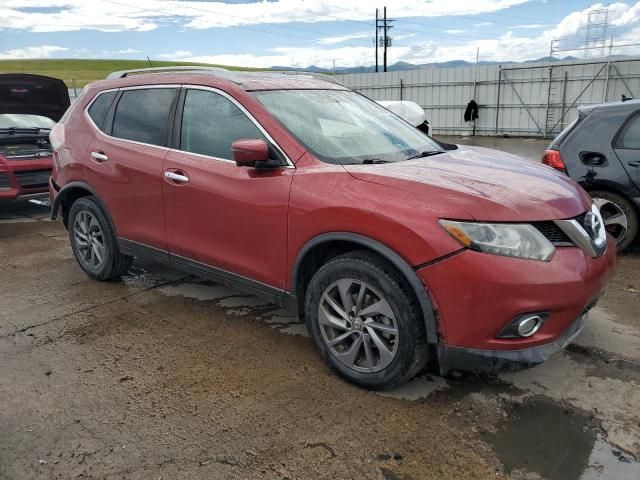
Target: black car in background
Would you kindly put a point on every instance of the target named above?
(601, 151)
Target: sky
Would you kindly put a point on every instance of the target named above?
(300, 33)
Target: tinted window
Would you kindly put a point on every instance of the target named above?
(100, 107)
(143, 115)
(211, 123)
(631, 136)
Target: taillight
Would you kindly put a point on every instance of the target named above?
(554, 159)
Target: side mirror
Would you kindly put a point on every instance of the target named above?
(247, 152)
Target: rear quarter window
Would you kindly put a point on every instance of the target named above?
(629, 136)
(100, 107)
(142, 115)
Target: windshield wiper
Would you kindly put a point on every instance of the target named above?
(19, 130)
(428, 153)
(369, 161)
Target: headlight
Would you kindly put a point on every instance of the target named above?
(512, 240)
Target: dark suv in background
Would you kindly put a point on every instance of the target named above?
(601, 151)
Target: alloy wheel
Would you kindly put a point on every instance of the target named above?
(358, 325)
(615, 220)
(89, 239)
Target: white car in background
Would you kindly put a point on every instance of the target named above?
(409, 111)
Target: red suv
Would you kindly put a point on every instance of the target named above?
(29, 107)
(295, 187)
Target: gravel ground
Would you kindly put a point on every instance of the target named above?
(166, 376)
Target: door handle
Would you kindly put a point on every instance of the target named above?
(176, 177)
(99, 156)
(633, 164)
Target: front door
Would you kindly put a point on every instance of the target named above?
(228, 217)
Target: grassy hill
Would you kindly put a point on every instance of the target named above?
(85, 71)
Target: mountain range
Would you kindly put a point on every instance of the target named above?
(401, 66)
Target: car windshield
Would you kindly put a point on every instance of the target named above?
(11, 120)
(344, 127)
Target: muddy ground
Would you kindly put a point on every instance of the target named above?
(166, 376)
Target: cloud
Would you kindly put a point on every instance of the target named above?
(145, 15)
(41, 51)
(177, 55)
(126, 51)
(625, 18)
(344, 38)
(454, 31)
(530, 26)
(483, 24)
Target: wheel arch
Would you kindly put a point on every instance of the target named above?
(323, 247)
(613, 187)
(69, 194)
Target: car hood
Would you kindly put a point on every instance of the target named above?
(488, 184)
(33, 95)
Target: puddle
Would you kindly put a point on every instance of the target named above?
(543, 437)
(299, 329)
(420, 387)
(198, 291)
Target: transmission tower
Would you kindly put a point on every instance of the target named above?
(597, 33)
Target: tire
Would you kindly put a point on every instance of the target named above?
(374, 366)
(612, 204)
(93, 241)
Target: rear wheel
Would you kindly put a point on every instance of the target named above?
(619, 215)
(93, 241)
(365, 322)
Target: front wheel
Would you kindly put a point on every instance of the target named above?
(619, 215)
(365, 322)
(94, 243)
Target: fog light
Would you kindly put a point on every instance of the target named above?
(524, 325)
(528, 325)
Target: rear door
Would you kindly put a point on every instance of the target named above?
(229, 217)
(125, 158)
(627, 147)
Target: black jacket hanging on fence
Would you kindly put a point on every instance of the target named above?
(471, 113)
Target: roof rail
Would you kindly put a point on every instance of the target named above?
(233, 76)
(318, 75)
(216, 71)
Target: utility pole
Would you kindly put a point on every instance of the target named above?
(376, 38)
(387, 39)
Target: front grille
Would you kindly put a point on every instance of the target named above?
(4, 181)
(33, 178)
(553, 233)
(580, 218)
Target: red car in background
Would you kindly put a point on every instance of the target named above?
(392, 249)
(29, 107)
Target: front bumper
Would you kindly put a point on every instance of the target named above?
(473, 359)
(476, 295)
(24, 178)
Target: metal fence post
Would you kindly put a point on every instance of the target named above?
(546, 114)
(564, 98)
(498, 98)
(401, 88)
